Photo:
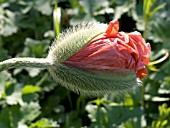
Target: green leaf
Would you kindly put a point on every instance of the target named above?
(14, 95)
(29, 111)
(103, 116)
(3, 54)
(44, 123)
(14, 99)
(157, 9)
(35, 48)
(8, 23)
(138, 16)
(163, 120)
(4, 78)
(129, 101)
(30, 89)
(152, 68)
(124, 8)
(29, 97)
(158, 31)
(9, 117)
(165, 88)
(43, 6)
(90, 6)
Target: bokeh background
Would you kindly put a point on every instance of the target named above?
(29, 98)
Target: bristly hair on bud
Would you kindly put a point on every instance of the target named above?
(91, 84)
(73, 39)
(82, 81)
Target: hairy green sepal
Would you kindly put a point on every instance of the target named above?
(74, 39)
(90, 83)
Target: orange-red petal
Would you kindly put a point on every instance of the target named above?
(114, 50)
(142, 73)
(113, 28)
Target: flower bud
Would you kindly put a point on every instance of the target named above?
(94, 59)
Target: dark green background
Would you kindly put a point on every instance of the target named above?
(30, 97)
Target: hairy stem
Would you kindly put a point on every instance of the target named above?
(25, 62)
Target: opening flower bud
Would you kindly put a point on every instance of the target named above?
(94, 59)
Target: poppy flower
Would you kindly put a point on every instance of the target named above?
(95, 58)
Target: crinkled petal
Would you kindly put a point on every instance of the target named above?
(113, 28)
(144, 51)
(114, 51)
(141, 73)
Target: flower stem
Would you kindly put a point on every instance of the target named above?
(160, 60)
(25, 62)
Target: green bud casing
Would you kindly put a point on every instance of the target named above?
(82, 81)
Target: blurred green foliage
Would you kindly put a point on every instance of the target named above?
(29, 98)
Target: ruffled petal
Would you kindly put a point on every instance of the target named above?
(141, 73)
(114, 51)
(113, 28)
(144, 48)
